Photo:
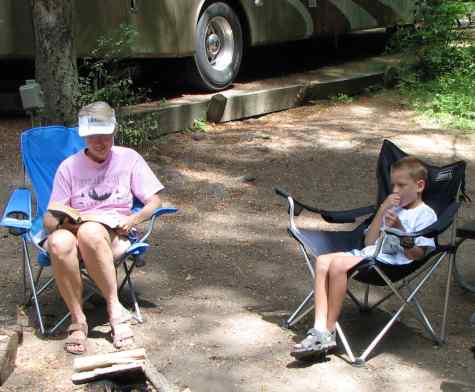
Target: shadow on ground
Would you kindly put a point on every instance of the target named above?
(224, 273)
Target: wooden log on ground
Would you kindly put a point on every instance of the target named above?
(106, 360)
(109, 366)
(106, 372)
(157, 379)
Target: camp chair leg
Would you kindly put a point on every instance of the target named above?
(425, 321)
(45, 286)
(137, 316)
(421, 316)
(366, 297)
(308, 262)
(359, 361)
(384, 299)
(68, 314)
(26, 257)
(26, 296)
(443, 329)
(128, 270)
(406, 283)
(377, 339)
(355, 300)
(345, 343)
(293, 319)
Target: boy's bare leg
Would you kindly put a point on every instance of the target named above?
(62, 248)
(318, 339)
(322, 268)
(337, 286)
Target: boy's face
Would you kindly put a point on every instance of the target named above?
(409, 190)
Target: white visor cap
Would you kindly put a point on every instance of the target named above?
(90, 125)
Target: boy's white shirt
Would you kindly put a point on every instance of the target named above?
(412, 220)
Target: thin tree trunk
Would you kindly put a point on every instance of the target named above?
(55, 59)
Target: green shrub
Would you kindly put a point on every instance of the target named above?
(137, 131)
(439, 77)
(107, 74)
(341, 98)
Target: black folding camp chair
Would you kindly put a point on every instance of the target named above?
(444, 193)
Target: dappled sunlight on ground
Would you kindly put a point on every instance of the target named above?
(361, 111)
(223, 274)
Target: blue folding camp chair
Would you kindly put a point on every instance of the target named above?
(445, 192)
(42, 150)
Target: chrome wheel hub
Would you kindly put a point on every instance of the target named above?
(219, 43)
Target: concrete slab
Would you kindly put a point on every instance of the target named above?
(266, 96)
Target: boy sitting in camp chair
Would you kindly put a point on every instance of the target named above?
(405, 210)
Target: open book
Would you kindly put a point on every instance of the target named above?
(61, 211)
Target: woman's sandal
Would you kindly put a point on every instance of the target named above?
(316, 343)
(74, 341)
(122, 335)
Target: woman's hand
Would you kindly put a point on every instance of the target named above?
(126, 224)
(69, 225)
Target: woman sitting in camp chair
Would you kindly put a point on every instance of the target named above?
(405, 210)
(101, 179)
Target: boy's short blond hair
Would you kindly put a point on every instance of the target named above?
(413, 166)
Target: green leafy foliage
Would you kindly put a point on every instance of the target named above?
(439, 76)
(199, 125)
(342, 98)
(138, 131)
(107, 75)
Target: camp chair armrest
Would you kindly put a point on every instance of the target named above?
(17, 214)
(163, 211)
(295, 207)
(400, 234)
(156, 214)
(438, 227)
(347, 216)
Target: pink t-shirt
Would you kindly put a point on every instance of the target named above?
(104, 188)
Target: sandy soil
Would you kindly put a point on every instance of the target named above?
(224, 273)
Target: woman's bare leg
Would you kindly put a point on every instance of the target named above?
(95, 247)
(98, 250)
(62, 249)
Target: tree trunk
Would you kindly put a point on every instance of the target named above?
(55, 59)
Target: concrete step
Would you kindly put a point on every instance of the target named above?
(266, 96)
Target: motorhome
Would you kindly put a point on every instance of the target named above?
(212, 34)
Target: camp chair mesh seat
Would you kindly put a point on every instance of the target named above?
(42, 150)
(444, 193)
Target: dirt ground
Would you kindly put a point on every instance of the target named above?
(224, 274)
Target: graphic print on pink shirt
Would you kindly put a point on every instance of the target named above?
(107, 187)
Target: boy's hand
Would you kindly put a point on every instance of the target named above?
(391, 220)
(407, 242)
(391, 201)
